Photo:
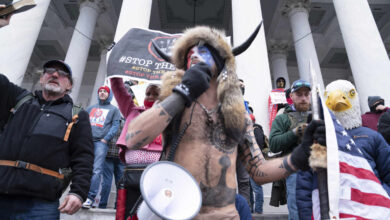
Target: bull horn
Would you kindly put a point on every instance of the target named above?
(162, 54)
(241, 48)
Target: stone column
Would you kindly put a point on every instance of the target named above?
(387, 47)
(367, 55)
(17, 41)
(79, 46)
(252, 65)
(100, 77)
(278, 58)
(298, 14)
(133, 14)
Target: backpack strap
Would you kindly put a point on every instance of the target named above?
(75, 118)
(21, 102)
(13, 110)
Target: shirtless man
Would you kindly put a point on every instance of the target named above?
(207, 105)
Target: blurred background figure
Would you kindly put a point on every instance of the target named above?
(113, 166)
(135, 160)
(377, 108)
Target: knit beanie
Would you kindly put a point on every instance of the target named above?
(374, 101)
(105, 88)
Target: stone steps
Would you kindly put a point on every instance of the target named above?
(270, 212)
(109, 214)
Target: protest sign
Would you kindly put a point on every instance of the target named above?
(135, 57)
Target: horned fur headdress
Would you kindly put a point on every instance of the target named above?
(229, 92)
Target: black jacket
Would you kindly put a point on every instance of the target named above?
(384, 126)
(35, 135)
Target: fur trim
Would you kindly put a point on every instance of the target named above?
(192, 37)
(228, 93)
(169, 81)
(317, 157)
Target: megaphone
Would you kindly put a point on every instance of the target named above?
(169, 192)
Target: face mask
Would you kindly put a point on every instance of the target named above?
(148, 104)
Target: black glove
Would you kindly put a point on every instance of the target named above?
(315, 132)
(195, 81)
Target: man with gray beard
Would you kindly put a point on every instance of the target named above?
(43, 134)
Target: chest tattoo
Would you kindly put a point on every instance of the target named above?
(220, 195)
(218, 138)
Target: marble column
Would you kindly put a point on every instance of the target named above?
(77, 53)
(17, 41)
(366, 52)
(133, 14)
(100, 76)
(278, 57)
(252, 65)
(298, 14)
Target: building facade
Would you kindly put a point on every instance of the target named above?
(344, 39)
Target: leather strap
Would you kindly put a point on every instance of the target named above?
(29, 166)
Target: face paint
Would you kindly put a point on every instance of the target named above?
(201, 54)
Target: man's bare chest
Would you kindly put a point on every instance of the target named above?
(207, 129)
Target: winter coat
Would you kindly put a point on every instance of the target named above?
(35, 134)
(375, 150)
(370, 119)
(384, 126)
(129, 111)
(306, 190)
(281, 137)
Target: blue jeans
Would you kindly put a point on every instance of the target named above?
(27, 208)
(112, 166)
(100, 156)
(259, 196)
(291, 183)
(243, 208)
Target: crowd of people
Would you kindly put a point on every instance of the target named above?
(196, 118)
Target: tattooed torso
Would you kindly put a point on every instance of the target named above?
(210, 156)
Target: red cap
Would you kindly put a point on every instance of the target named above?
(105, 88)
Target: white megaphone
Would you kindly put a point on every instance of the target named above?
(169, 192)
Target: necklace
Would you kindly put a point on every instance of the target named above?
(209, 113)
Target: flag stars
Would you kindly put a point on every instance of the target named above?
(359, 151)
(351, 141)
(348, 146)
(344, 133)
(338, 122)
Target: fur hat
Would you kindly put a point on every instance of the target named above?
(228, 93)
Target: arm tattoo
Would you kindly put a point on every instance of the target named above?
(131, 135)
(172, 105)
(251, 155)
(138, 145)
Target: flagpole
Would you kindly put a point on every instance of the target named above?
(318, 163)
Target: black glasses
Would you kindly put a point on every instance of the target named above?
(53, 70)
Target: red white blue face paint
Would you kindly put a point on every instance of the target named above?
(199, 54)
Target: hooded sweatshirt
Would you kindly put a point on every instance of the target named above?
(104, 119)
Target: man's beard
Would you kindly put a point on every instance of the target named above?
(52, 89)
(302, 107)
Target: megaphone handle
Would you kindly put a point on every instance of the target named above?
(135, 206)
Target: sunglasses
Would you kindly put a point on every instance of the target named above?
(300, 84)
(53, 70)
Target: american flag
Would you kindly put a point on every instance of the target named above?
(359, 193)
